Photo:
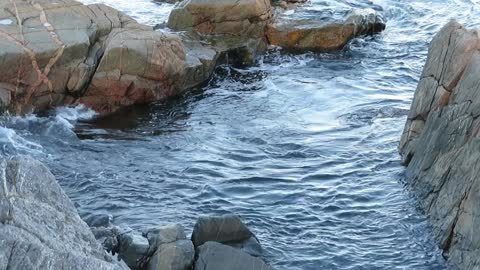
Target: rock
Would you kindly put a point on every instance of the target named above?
(108, 237)
(39, 226)
(250, 246)
(169, 248)
(98, 220)
(139, 66)
(132, 249)
(177, 255)
(216, 256)
(165, 234)
(304, 32)
(5, 99)
(223, 229)
(227, 17)
(440, 144)
(54, 53)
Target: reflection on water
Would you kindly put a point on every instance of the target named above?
(302, 147)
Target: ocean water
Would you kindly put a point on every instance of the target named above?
(302, 147)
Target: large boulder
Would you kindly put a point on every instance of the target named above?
(138, 66)
(226, 17)
(223, 229)
(441, 145)
(302, 31)
(56, 52)
(226, 229)
(216, 256)
(39, 226)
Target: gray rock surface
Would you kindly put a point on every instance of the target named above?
(169, 248)
(440, 144)
(222, 229)
(216, 256)
(133, 249)
(39, 225)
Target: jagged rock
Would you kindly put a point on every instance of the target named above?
(216, 256)
(132, 248)
(302, 32)
(39, 226)
(441, 145)
(227, 17)
(169, 248)
(52, 50)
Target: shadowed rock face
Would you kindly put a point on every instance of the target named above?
(441, 145)
(39, 226)
(55, 52)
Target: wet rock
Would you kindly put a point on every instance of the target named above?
(39, 226)
(132, 248)
(440, 144)
(223, 229)
(169, 248)
(304, 32)
(216, 256)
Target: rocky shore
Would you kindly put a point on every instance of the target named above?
(41, 229)
(440, 144)
(66, 53)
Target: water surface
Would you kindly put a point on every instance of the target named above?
(303, 147)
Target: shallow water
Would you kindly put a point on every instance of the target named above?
(302, 147)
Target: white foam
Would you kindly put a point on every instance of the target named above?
(6, 22)
(72, 114)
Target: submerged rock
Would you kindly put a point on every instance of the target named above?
(39, 226)
(299, 32)
(440, 144)
(216, 256)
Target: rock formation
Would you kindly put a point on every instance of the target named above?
(64, 53)
(441, 145)
(299, 32)
(55, 52)
(39, 226)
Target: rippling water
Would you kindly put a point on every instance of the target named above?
(302, 147)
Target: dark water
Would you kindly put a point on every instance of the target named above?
(302, 147)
